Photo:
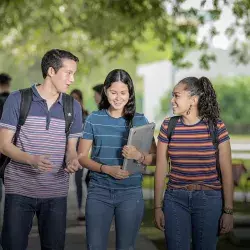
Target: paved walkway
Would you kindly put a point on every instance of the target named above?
(75, 234)
(75, 237)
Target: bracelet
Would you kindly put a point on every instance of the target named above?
(142, 158)
(101, 168)
(227, 210)
(157, 207)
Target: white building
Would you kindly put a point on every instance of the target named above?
(159, 77)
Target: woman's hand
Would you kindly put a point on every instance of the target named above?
(226, 223)
(159, 219)
(130, 152)
(115, 171)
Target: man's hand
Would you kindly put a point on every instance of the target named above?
(41, 162)
(73, 164)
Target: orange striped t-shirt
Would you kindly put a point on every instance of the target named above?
(192, 153)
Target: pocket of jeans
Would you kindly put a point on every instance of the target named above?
(212, 193)
(91, 188)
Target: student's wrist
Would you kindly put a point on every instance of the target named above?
(138, 156)
(30, 159)
(105, 169)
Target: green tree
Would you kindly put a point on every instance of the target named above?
(93, 28)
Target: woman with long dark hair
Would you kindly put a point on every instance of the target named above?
(198, 202)
(80, 175)
(112, 192)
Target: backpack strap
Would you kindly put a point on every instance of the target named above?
(214, 135)
(68, 110)
(171, 126)
(25, 104)
(213, 132)
(26, 99)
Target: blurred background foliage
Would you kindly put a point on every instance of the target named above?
(107, 34)
(232, 94)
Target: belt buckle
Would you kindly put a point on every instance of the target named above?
(193, 187)
(190, 187)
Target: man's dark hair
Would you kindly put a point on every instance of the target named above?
(4, 79)
(54, 58)
(98, 88)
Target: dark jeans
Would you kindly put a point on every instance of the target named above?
(18, 216)
(127, 205)
(81, 188)
(192, 215)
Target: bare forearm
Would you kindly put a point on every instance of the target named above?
(159, 183)
(71, 154)
(150, 159)
(16, 154)
(228, 188)
(88, 163)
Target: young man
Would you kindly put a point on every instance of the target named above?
(36, 179)
(5, 81)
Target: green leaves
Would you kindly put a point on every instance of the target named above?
(113, 27)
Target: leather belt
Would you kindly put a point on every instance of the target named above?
(193, 187)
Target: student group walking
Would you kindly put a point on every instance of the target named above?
(46, 135)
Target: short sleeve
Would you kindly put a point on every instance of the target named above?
(76, 128)
(139, 120)
(222, 132)
(11, 111)
(88, 132)
(164, 131)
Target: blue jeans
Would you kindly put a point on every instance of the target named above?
(192, 215)
(18, 216)
(81, 188)
(127, 205)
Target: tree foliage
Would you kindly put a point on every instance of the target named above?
(93, 28)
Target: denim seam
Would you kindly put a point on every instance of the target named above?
(178, 241)
(201, 231)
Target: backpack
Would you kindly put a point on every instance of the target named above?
(213, 133)
(26, 100)
(3, 98)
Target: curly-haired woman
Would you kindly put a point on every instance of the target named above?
(198, 202)
(112, 191)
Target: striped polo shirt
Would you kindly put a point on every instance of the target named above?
(192, 153)
(42, 134)
(109, 135)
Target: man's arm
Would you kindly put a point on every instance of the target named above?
(9, 149)
(72, 163)
(13, 152)
(71, 152)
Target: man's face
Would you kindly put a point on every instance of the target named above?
(97, 98)
(5, 88)
(64, 77)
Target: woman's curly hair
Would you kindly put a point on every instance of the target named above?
(208, 107)
(120, 75)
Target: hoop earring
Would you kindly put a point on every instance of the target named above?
(188, 112)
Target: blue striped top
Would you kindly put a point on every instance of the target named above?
(109, 135)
